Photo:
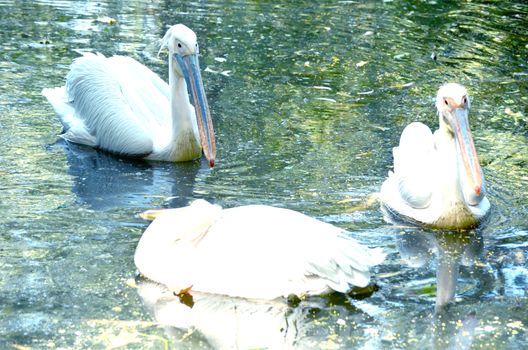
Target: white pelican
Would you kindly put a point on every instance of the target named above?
(253, 251)
(119, 105)
(437, 179)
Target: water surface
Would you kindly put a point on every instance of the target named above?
(308, 99)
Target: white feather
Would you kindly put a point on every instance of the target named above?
(413, 168)
(106, 99)
(74, 129)
(253, 251)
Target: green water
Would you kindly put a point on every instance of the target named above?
(308, 99)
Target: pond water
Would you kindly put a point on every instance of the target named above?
(308, 99)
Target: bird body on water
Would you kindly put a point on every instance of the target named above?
(437, 179)
(253, 251)
(119, 105)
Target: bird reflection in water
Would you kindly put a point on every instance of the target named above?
(452, 250)
(214, 321)
(104, 181)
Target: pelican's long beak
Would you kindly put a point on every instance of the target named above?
(473, 184)
(191, 72)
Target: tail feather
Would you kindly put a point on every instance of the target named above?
(74, 129)
(59, 101)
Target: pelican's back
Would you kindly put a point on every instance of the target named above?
(258, 251)
(119, 102)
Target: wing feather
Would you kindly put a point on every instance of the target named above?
(74, 129)
(412, 179)
(95, 93)
(288, 252)
(144, 91)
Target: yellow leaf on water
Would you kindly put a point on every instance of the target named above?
(389, 336)
(117, 308)
(131, 283)
(20, 347)
(361, 64)
(515, 324)
(106, 20)
(511, 113)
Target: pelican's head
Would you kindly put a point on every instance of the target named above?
(181, 39)
(452, 102)
(183, 50)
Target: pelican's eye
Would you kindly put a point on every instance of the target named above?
(464, 100)
(179, 45)
(445, 101)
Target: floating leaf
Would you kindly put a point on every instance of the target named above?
(509, 112)
(326, 99)
(400, 56)
(361, 64)
(515, 324)
(106, 20)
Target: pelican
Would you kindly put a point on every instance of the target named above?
(437, 179)
(253, 251)
(119, 105)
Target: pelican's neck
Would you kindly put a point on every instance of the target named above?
(450, 200)
(447, 162)
(447, 136)
(185, 143)
(179, 101)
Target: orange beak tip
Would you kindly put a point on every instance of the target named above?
(211, 162)
(477, 190)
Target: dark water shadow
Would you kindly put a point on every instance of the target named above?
(104, 181)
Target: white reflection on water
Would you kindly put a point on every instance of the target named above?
(226, 323)
(237, 323)
(452, 250)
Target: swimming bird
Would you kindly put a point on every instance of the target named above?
(437, 178)
(253, 251)
(119, 105)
